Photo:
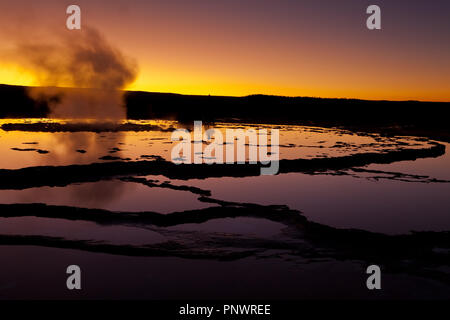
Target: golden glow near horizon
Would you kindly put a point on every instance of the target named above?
(14, 75)
(184, 84)
(203, 85)
(156, 79)
(373, 84)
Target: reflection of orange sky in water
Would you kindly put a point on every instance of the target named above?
(333, 200)
(111, 195)
(309, 142)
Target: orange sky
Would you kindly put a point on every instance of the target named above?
(250, 47)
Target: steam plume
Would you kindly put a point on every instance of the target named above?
(84, 60)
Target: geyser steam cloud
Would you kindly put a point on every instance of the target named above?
(83, 60)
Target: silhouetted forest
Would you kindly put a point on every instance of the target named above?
(15, 103)
(277, 108)
(412, 116)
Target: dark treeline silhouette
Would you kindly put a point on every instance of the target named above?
(278, 108)
(15, 103)
(412, 116)
(386, 117)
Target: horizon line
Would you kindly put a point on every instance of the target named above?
(232, 96)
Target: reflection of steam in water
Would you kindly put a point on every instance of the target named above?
(93, 145)
(90, 195)
(94, 195)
